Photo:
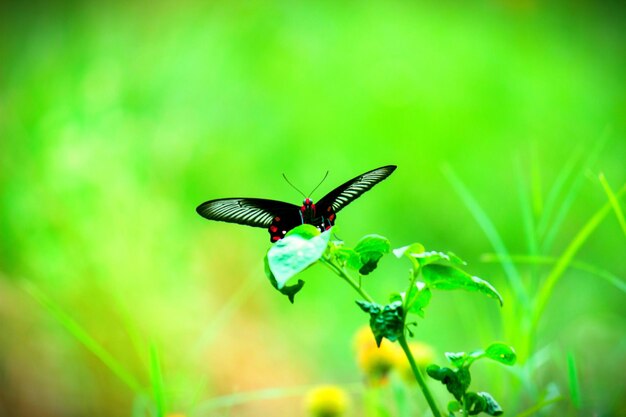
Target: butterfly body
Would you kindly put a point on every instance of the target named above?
(308, 215)
(280, 217)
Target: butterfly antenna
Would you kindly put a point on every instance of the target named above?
(294, 187)
(317, 186)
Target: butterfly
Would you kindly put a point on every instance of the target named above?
(279, 217)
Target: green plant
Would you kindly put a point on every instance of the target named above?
(532, 288)
(458, 380)
(305, 246)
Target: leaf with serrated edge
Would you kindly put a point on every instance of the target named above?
(445, 277)
(455, 259)
(431, 257)
(406, 251)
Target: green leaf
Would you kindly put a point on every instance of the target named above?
(396, 296)
(306, 231)
(454, 406)
(456, 381)
(299, 249)
(457, 359)
(407, 251)
(473, 356)
(347, 257)
(426, 258)
(474, 403)
(418, 298)
(450, 278)
(491, 405)
(385, 321)
(501, 353)
(497, 351)
(288, 290)
(370, 249)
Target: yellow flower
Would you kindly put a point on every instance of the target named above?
(374, 361)
(423, 355)
(327, 401)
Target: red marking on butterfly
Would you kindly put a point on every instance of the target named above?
(280, 217)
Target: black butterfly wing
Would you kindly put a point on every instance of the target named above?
(353, 189)
(256, 212)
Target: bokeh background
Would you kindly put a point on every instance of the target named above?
(118, 119)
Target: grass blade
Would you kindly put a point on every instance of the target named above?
(142, 406)
(246, 397)
(566, 258)
(555, 191)
(549, 260)
(614, 203)
(244, 291)
(527, 212)
(532, 411)
(491, 232)
(156, 380)
(574, 384)
(569, 198)
(535, 181)
(82, 336)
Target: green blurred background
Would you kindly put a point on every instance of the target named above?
(117, 120)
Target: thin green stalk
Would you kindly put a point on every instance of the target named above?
(565, 259)
(549, 207)
(513, 276)
(402, 341)
(532, 411)
(225, 313)
(83, 337)
(156, 379)
(549, 260)
(408, 303)
(574, 382)
(527, 212)
(418, 377)
(530, 229)
(613, 199)
(535, 181)
(232, 400)
(339, 271)
(568, 199)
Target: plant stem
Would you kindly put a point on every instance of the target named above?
(409, 302)
(343, 274)
(402, 340)
(418, 377)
